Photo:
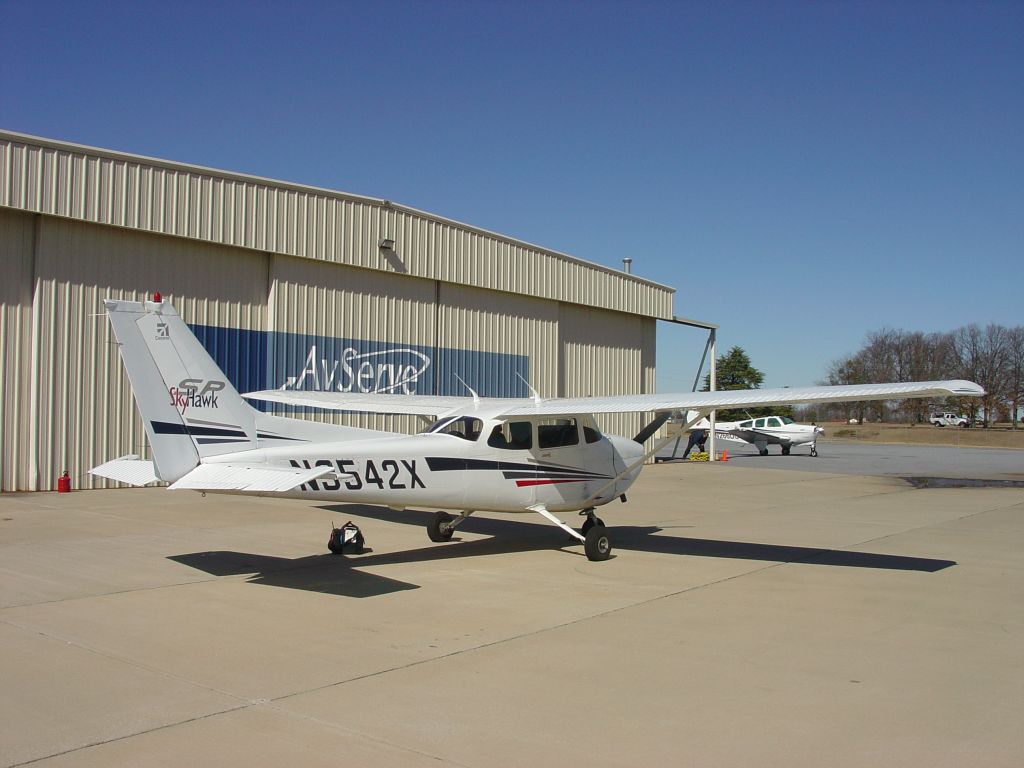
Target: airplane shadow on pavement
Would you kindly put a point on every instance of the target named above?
(340, 575)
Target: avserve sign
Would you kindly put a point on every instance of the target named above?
(255, 360)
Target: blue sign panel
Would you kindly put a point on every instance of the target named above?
(254, 360)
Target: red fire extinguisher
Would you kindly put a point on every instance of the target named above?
(64, 483)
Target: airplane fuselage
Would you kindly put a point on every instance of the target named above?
(448, 471)
(770, 430)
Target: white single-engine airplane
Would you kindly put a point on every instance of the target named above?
(481, 454)
(764, 431)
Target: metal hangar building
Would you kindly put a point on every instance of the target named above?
(287, 286)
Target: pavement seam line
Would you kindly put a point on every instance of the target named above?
(56, 637)
(114, 739)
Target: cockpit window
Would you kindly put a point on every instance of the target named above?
(774, 422)
(749, 423)
(512, 435)
(787, 420)
(465, 427)
(590, 431)
(555, 433)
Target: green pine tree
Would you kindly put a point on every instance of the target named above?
(735, 371)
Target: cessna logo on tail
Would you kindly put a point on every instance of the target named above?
(392, 370)
(195, 393)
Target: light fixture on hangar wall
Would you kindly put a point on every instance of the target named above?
(387, 244)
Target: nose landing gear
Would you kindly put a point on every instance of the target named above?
(591, 521)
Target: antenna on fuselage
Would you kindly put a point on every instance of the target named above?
(536, 397)
(476, 397)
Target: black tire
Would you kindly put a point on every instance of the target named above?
(435, 530)
(598, 546)
(763, 451)
(814, 452)
(589, 523)
(785, 450)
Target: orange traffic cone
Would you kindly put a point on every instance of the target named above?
(725, 455)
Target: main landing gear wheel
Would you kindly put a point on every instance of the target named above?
(439, 528)
(785, 450)
(597, 546)
(763, 451)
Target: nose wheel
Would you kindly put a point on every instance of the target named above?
(590, 522)
(596, 542)
(597, 545)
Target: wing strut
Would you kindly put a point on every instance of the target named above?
(654, 426)
(540, 509)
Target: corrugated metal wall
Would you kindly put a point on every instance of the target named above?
(16, 237)
(65, 402)
(606, 353)
(475, 319)
(79, 395)
(315, 298)
(103, 187)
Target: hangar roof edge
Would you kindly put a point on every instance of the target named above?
(14, 136)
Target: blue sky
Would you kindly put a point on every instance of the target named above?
(802, 173)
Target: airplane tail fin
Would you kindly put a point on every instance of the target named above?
(189, 408)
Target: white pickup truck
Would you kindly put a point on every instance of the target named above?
(949, 419)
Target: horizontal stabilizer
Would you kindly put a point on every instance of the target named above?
(248, 477)
(127, 469)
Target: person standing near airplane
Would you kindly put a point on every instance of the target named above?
(697, 438)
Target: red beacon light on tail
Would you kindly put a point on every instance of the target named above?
(157, 298)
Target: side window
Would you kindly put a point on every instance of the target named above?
(512, 435)
(759, 423)
(774, 422)
(555, 433)
(590, 431)
(748, 423)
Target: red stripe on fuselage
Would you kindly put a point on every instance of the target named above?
(521, 483)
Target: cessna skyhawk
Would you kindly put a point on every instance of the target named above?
(545, 456)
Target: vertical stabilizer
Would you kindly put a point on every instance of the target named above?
(189, 408)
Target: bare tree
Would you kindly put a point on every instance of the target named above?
(981, 357)
(1015, 370)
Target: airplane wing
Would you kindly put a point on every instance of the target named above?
(744, 398)
(435, 405)
(247, 477)
(376, 402)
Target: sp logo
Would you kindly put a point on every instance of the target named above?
(196, 393)
(208, 385)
